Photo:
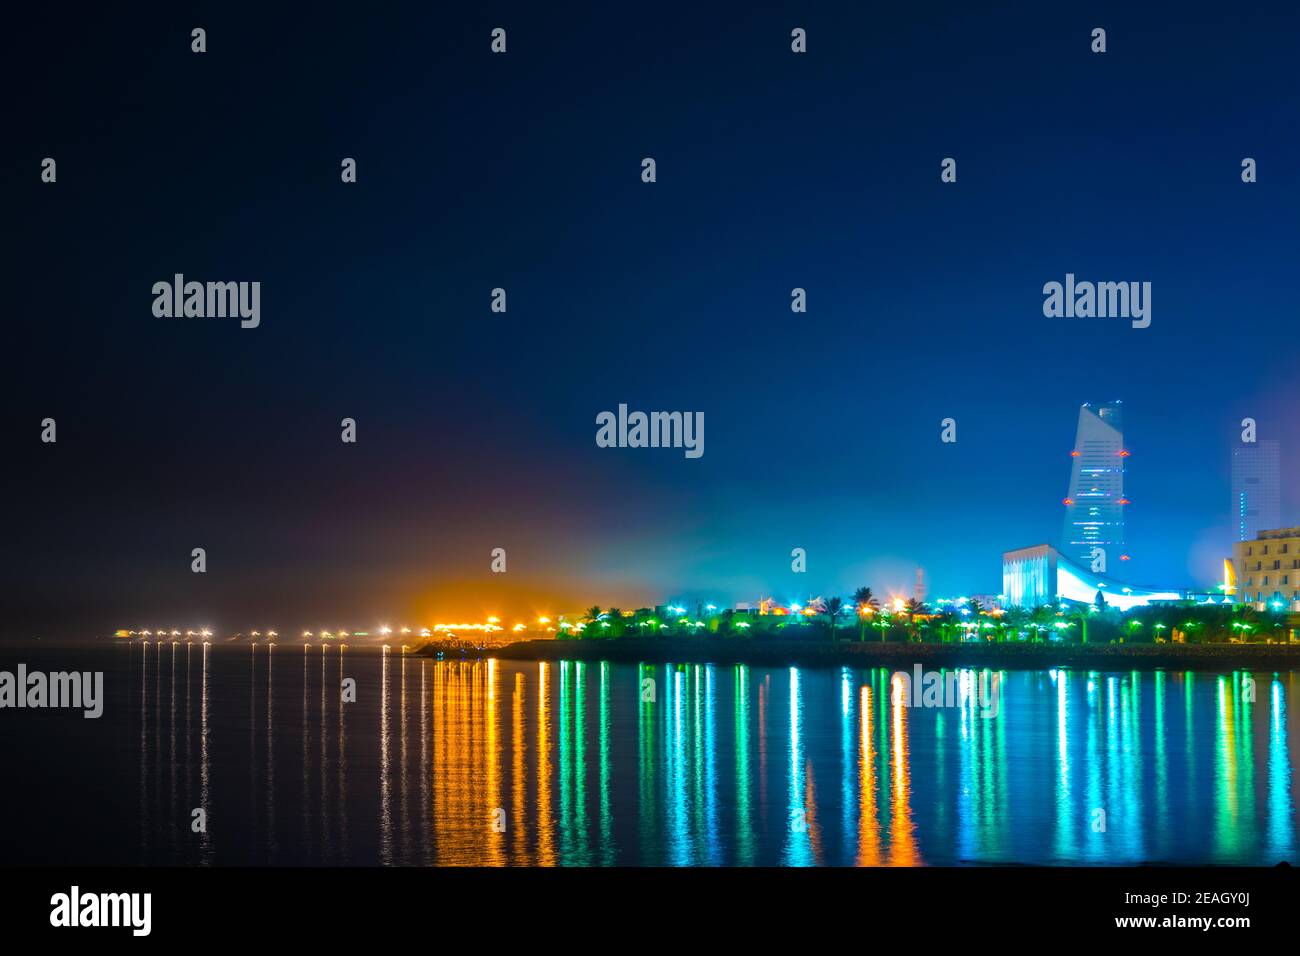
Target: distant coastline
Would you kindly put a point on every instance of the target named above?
(1020, 656)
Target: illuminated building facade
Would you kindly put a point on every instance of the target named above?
(1268, 568)
(1029, 576)
(1041, 574)
(1094, 507)
(1256, 488)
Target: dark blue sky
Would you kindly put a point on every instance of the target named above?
(522, 171)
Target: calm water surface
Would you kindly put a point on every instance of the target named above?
(509, 763)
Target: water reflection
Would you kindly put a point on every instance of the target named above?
(1281, 834)
(205, 799)
(494, 763)
(902, 839)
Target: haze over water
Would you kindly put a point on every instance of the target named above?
(729, 765)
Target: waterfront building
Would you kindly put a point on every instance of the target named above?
(1041, 574)
(1268, 568)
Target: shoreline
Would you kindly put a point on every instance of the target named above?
(725, 651)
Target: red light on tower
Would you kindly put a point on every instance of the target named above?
(1123, 501)
(1069, 501)
(1124, 557)
(1123, 454)
(1074, 454)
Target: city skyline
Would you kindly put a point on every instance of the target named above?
(475, 429)
(479, 443)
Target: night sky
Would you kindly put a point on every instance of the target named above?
(476, 430)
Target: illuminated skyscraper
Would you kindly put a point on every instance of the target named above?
(1256, 489)
(1094, 508)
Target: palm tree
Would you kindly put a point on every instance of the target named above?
(1017, 619)
(949, 624)
(867, 605)
(1044, 618)
(912, 607)
(726, 621)
(976, 608)
(1079, 614)
(833, 607)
